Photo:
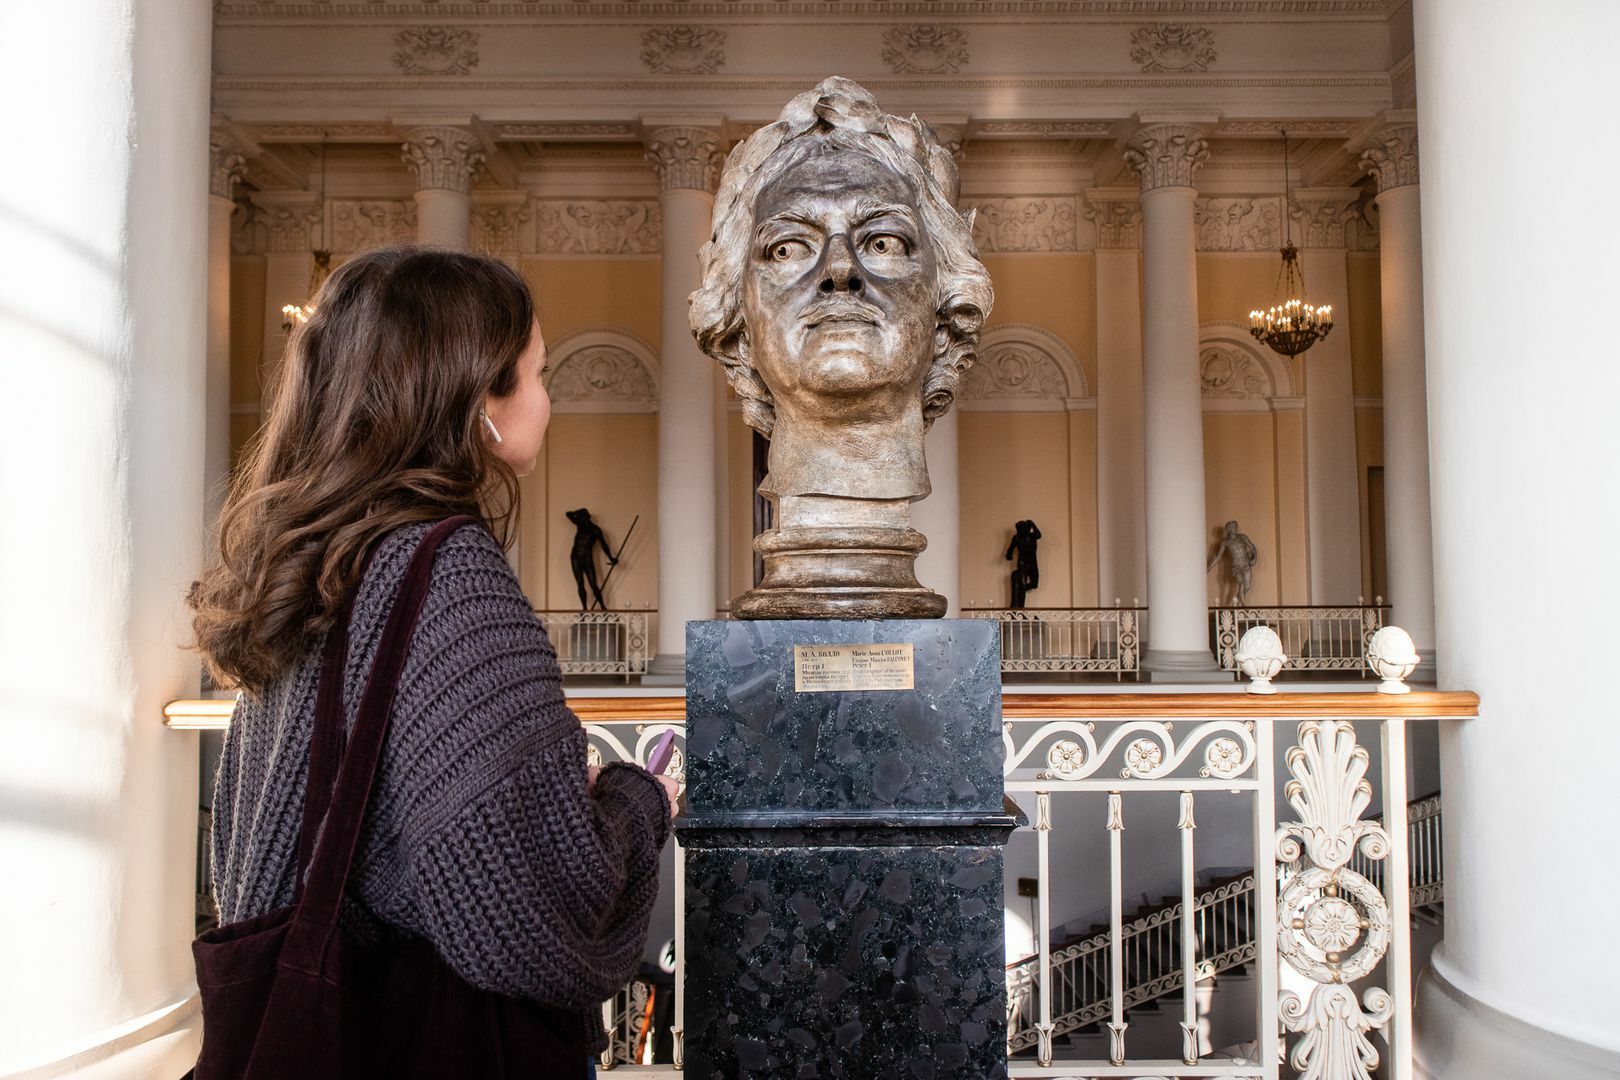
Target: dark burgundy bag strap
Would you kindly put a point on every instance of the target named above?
(326, 744)
(315, 919)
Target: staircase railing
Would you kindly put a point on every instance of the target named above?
(1223, 920)
(1151, 955)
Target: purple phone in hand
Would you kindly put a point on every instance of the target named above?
(659, 761)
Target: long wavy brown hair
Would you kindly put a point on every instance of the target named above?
(373, 424)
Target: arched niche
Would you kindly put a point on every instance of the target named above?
(1237, 374)
(603, 371)
(1024, 368)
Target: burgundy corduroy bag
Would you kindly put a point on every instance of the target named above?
(289, 994)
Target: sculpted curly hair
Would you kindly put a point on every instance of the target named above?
(844, 114)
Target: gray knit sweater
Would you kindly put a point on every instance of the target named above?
(480, 835)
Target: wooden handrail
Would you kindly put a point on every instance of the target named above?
(214, 715)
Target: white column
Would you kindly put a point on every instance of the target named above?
(687, 155)
(1517, 98)
(1409, 541)
(1121, 472)
(226, 163)
(939, 517)
(445, 159)
(102, 392)
(1333, 498)
(1166, 156)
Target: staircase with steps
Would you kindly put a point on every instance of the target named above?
(1223, 920)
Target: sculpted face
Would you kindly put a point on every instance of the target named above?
(840, 289)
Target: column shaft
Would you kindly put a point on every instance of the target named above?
(443, 217)
(1522, 438)
(1333, 502)
(102, 420)
(1409, 538)
(1121, 473)
(939, 517)
(217, 442)
(1174, 433)
(688, 160)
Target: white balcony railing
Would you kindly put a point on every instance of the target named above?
(1313, 638)
(599, 642)
(1105, 640)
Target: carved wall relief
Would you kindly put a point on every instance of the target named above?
(364, 223)
(598, 227)
(605, 376)
(1040, 223)
(1238, 224)
(1226, 372)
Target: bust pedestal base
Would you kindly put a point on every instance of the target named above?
(844, 856)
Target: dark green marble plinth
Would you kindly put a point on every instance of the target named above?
(843, 857)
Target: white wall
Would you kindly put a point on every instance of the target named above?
(1517, 98)
(102, 222)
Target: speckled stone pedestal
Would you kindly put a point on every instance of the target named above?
(843, 858)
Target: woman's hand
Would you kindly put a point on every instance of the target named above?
(672, 788)
(591, 773)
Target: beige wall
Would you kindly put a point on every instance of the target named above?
(1054, 291)
(1015, 465)
(1240, 469)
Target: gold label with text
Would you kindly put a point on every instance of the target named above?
(822, 668)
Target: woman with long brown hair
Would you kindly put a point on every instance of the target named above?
(411, 397)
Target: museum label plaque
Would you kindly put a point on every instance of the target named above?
(819, 669)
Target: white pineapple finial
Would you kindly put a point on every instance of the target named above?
(1260, 656)
(1392, 657)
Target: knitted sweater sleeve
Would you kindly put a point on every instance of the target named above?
(525, 882)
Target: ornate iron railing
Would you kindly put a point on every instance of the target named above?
(599, 642)
(1107, 640)
(1313, 638)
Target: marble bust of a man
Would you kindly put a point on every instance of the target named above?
(842, 293)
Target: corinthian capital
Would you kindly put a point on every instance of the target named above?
(443, 157)
(228, 152)
(1117, 215)
(1392, 156)
(686, 156)
(1321, 214)
(1167, 155)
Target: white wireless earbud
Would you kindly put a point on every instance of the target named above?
(494, 433)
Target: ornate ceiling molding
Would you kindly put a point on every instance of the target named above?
(925, 49)
(1044, 129)
(1172, 47)
(683, 50)
(436, 50)
(575, 10)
